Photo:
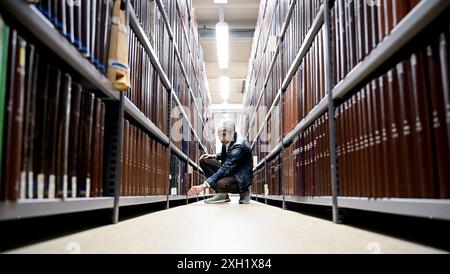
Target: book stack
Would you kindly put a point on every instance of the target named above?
(52, 127)
(308, 86)
(86, 24)
(258, 182)
(147, 91)
(393, 134)
(273, 15)
(358, 28)
(313, 160)
(144, 162)
(274, 176)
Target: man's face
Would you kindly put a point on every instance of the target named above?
(225, 137)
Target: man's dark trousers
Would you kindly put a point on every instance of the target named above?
(224, 185)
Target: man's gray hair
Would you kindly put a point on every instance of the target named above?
(226, 125)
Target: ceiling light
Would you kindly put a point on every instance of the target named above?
(220, 1)
(222, 44)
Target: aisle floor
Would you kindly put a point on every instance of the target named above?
(227, 229)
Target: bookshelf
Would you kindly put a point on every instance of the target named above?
(420, 17)
(40, 27)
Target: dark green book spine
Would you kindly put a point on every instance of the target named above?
(4, 41)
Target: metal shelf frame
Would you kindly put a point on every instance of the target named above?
(43, 30)
(46, 207)
(416, 21)
(171, 35)
(303, 50)
(137, 28)
(422, 208)
(274, 57)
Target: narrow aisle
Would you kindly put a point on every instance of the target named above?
(226, 229)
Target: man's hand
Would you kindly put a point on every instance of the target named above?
(195, 190)
(207, 156)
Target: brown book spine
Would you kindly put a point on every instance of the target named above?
(63, 138)
(345, 150)
(394, 136)
(14, 117)
(101, 149)
(356, 147)
(367, 28)
(360, 30)
(437, 109)
(363, 145)
(99, 16)
(400, 10)
(377, 159)
(95, 149)
(388, 17)
(52, 133)
(84, 149)
(41, 127)
(350, 146)
(374, 179)
(409, 174)
(26, 176)
(422, 129)
(444, 53)
(381, 20)
(32, 127)
(75, 109)
(385, 135)
(142, 171)
(69, 20)
(374, 25)
(339, 155)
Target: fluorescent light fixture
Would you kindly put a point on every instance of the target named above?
(222, 44)
(225, 87)
(220, 1)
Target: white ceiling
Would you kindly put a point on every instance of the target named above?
(238, 14)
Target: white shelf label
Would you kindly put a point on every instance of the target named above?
(23, 184)
(173, 191)
(30, 184)
(88, 187)
(41, 180)
(74, 187)
(52, 187)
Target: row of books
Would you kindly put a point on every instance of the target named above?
(153, 24)
(191, 53)
(307, 162)
(258, 181)
(147, 12)
(263, 48)
(274, 185)
(147, 91)
(273, 131)
(145, 164)
(86, 24)
(305, 165)
(52, 129)
(393, 134)
(179, 176)
(358, 27)
(306, 90)
(268, 29)
(308, 86)
(304, 13)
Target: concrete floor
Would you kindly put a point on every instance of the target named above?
(226, 229)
